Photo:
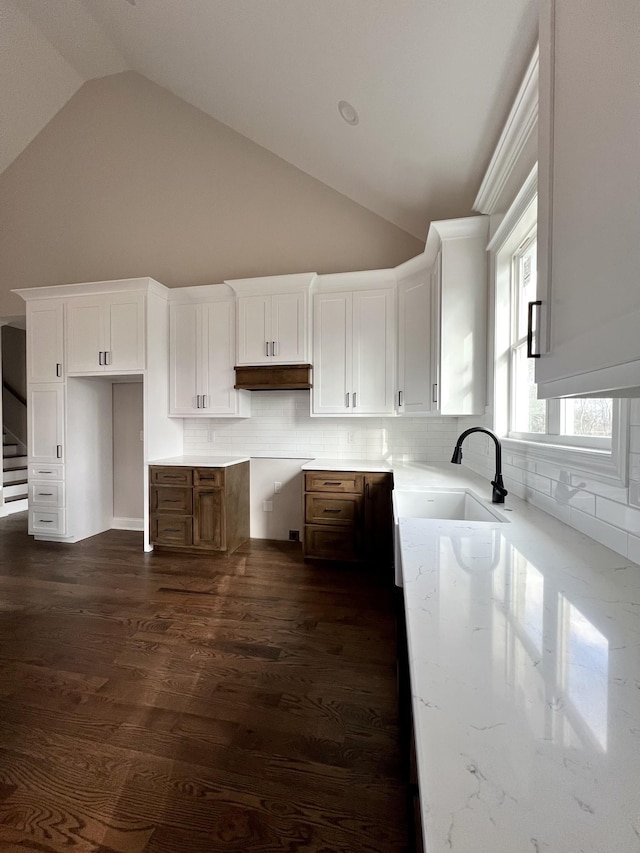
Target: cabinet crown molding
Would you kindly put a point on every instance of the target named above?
(88, 288)
(453, 229)
(359, 280)
(520, 126)
(265, 285)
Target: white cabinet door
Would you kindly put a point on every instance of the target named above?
(219, 394)
(124, 342)
(254, 329)
(45, 412)
(45, 340)
(184, 358)
(332, 354)
(85, 335)
(288, 328)
(589, 199)
(373, 362)
(414, 345)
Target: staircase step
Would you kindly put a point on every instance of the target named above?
(15, 498)
(9, 449)
(11, 462)
(15, 490)
(14, 475)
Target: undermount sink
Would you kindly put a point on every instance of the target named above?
(452, 504)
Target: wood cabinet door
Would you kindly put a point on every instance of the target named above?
(184, 358)
(332, 354)
(378, 518)
(374, 342)
(124, 332)
(85, 335)
(45, 340)
(289, 328)
(208, 522)
(45, 413)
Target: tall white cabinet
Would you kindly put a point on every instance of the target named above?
(81, 338)
(442, 322)
(202, 354)
(589, 198)
(354, 343)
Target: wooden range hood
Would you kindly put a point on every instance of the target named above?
(283, 377)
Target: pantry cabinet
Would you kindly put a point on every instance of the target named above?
(45, 341)
(354, 353)
(201, 358)
(588, 202)
(105, 333)
(45, 414)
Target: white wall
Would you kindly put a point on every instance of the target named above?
(280, 426)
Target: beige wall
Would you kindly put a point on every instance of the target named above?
(128, 457)
(129, 180)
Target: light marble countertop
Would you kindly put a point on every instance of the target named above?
(201, 461)
(524, 650)
(375, 465)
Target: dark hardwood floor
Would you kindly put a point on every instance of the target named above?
(168, 703)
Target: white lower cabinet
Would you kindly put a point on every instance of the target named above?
(46, 521)
(201, 361)
(354, 353)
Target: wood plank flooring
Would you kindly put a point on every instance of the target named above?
(161, 703)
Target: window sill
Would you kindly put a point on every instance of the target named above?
(606, 465)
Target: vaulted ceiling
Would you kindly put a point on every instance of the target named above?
(432, 82)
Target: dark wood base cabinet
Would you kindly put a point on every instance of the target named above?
(348, 516)
(199, 509)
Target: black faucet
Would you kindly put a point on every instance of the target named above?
(499, 491)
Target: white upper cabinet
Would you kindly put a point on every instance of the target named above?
(442, 319)
(354, 347)
(105, 333)
(414, 338)
(201, 357)
(589, 198)
(273, 319)
(45, 340)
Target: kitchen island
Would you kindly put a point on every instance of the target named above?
(524, 655)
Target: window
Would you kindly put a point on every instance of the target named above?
(584, 422)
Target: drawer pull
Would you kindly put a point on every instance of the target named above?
(332, 483)
(172, 500)
(45, 494)
(172, 530)
(172, 477)
(45, 521)
(332, 510)
(45, 472)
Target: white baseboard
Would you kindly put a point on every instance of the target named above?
(128, 524)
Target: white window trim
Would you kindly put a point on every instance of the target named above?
(606, 465)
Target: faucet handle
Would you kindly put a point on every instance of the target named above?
(499, 491)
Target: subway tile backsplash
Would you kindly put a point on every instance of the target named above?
(280, 424)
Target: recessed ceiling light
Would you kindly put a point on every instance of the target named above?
(348, 112)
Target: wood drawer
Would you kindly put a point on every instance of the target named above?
(171, 476)
(210, 477)
(171, 499)
(331, 542)
(332, 509)
(330, 481)
(171, 530)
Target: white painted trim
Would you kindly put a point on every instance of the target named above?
(514, 215)
(128, 524)
(516, 133)
(266, 285)
(453, 229)
(90, 288)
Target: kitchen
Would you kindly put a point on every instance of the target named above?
(605, 507)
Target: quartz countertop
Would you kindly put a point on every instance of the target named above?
(524, 651)
(374, 466)
(201, 461)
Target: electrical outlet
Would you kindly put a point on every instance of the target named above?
(277, 487)
(294, 536)
(351, 437)
(267, 506)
